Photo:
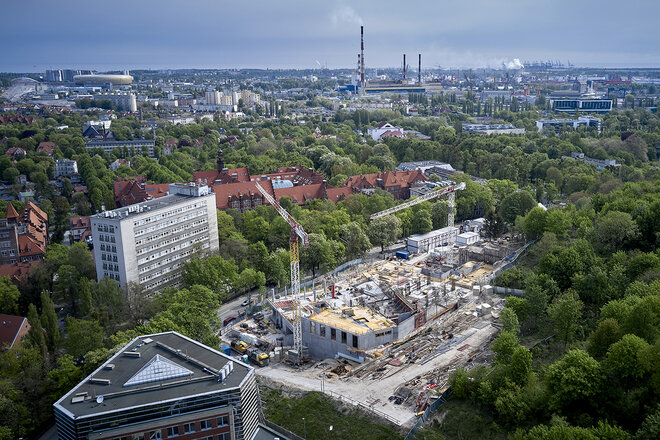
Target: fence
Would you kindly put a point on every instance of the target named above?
(427, 414)
(364, 406)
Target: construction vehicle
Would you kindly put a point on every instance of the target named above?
(240, 346)
(258, 357)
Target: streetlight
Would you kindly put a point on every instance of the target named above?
(304, 429)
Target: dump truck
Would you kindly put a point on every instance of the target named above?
(258, 357)
(240, 346)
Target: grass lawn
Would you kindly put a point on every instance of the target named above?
(320, 413)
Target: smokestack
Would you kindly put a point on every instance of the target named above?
(362, 59)
(419, 71)
(404, 67)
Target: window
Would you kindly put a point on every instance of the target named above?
(355, 341)
(223, 421)
(138, 436)
(323, 331)
(343, 337)
(172, 431)
(188, 427)
(333, 334)
(224, 436)
(154, 435)
(206, 424)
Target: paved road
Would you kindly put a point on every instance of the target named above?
(232, 308)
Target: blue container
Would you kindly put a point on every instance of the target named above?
(226, 350)
(404, 255)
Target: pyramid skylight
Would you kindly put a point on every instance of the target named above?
(157, 369)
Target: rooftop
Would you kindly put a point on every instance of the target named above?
(153, 368)
(356, 320)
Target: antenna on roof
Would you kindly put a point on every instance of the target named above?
(99, 399)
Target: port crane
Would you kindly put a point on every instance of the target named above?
(298, 235)
(447, 190)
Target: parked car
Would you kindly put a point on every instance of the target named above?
(245, 303)
(229, 320)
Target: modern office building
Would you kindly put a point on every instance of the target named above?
(136, 146)
(147, 243)
(585, 105)
(492, 129)
(559, 124)
(163, 386)
(122, 101)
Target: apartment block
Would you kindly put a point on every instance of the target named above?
(147, 243)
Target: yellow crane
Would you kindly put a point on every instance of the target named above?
(298, 235)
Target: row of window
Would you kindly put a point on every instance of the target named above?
(169, 213)
(108, 248)
(107, 238)
(174, 237)
(161, 234)
(112, 276)
(333, 334)
(106, 228)
(171, 268)
(5, 244)
(164, 252)
(12, 253)
(107, 266)
(171, 222)
(108, 257)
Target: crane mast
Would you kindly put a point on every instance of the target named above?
(449, 190)
(298, 235)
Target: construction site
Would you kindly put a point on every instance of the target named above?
(384, 333)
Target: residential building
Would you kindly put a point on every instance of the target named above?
(163, 386)
(12, 331)
(379, 130)
(558, 124)
(23, 238)
(65, 168)
(46, 147)
(600, 164)
(138, 146)
(130, 192)
(213, 97)
(81, 228)
(114, 166)
(15, 152)
(148, 242)
(397, 183)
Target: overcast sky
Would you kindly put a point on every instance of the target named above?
(129, 34)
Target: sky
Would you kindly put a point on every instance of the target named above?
(36, 35)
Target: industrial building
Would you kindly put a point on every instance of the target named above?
(424, 242)
(147, 243)
(163, 386)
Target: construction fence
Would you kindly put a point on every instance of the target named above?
(427, 414)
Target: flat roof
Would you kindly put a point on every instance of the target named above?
(361, 322)
(151, 369)
(139, 208)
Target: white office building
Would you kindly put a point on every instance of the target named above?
(65, 168)
(147, 243)
(125, 101)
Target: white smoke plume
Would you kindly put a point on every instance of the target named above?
(513, 65)
(345, 15)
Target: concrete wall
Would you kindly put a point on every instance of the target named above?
(406, 327)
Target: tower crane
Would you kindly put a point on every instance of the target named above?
(298, 235)
(447, 190)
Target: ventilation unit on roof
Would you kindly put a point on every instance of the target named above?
(99, 381)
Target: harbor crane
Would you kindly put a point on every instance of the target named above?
(298, 235)
(447, 190)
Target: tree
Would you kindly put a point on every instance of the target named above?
(606, 334)
(439, 213)
(520, 306)
(509, 321)
(494, 224)
(85, 295)
(319, 253)
(82, 336)
(504, 346)
(520, 366)
(384, 231)
(66, 286)
(613, 231)
(355, 239)
(35, 336)
(9, 295)
(49, 323)
(513, 205)
(565, 311)
(535, 222)
(421, 222)
(574, 381)
(557, 222)
(81, 258)
(624, 357)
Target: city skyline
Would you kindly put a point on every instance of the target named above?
(151, 34)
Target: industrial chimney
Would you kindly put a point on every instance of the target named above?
(362, 82)
(404, 68)
(419, 71)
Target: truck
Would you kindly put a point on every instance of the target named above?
(258, 357)
(402, 255)
(240, 346)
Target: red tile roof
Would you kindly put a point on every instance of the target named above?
(79, 222)
(388, 179)
(232, 175)
(227, 193)
(16, 271)
(46, 147)
(13, 151)
(12, 330)
(338, 194)
(136, 191)
(11, 212)
(300, 194)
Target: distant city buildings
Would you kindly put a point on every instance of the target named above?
(148, 242)
(492, 129)
(23, 238)
(585, 105)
